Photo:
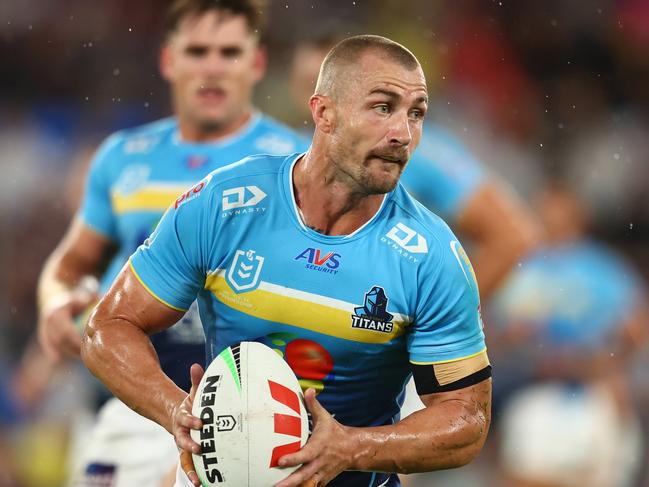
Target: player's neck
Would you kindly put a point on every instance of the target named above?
(191, 131)
(328, 205)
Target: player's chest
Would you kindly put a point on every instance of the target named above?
(359, 291)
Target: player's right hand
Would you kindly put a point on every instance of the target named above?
(58, 333)
(183, 422)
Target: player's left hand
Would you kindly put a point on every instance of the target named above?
(327, 453)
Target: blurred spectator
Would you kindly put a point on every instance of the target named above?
(564, 328)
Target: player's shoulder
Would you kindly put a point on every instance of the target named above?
(421, 233)
(273, 137)
(250, 172)
(139, 140)
(422, 219)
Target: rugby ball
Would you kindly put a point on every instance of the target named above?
(253, 412)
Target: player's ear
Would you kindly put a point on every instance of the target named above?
(323, 113)
(260, 62)
(165, 62)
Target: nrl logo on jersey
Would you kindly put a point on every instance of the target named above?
(242, 200)
(373, 315)
(406, 242)
(244, 272)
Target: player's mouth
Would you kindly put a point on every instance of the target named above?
(211, 94)
(390, 158)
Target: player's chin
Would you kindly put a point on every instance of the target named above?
(211, 121)
(383, 182)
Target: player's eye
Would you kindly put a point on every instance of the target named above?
(196, 51)
(231, 52)
(382, 108)
(417, 114)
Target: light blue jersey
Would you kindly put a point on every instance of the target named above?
(348, 313)
(137, 174)
(573, 296)
(442, 173)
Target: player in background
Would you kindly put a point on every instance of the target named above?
(212, 59)
(383, 313)
(450, 181)
(566, 325)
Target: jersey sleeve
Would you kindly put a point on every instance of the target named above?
(443, 174)
(173, 262)
(96, 209)
(447, 325)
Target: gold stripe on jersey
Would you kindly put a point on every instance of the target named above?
(448, 372)
(297, 308)
(147, 198)
(130, 263)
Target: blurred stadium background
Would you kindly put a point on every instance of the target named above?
(534, 88)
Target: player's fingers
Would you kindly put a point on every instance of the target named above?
(314, 406)
(185, 442)
(196, 373)
(312, 482)
(187, 464)
(306, 475)
(187, 421)
(307, 454)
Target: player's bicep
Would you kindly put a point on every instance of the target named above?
(129, 301)
(452, 375)
(446, 342)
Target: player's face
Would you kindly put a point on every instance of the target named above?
(378, 123)
(213, 62)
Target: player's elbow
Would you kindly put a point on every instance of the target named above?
(470, 451)
(92, 350)
(471, 439)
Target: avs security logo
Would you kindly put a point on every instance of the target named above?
(373, 315)
(406, 241)
(243, 275)
(319, 260)
(242, 200)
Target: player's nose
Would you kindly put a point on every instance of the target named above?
(400, 133)
(214, 64)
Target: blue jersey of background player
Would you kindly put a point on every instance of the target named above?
(212, 59)
(570, 303)
(134, 177)
(443, 174)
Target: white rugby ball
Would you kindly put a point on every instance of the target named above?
(253, 412)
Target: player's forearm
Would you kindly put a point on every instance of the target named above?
(122, 357)
(445, 435)
(502, 229)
